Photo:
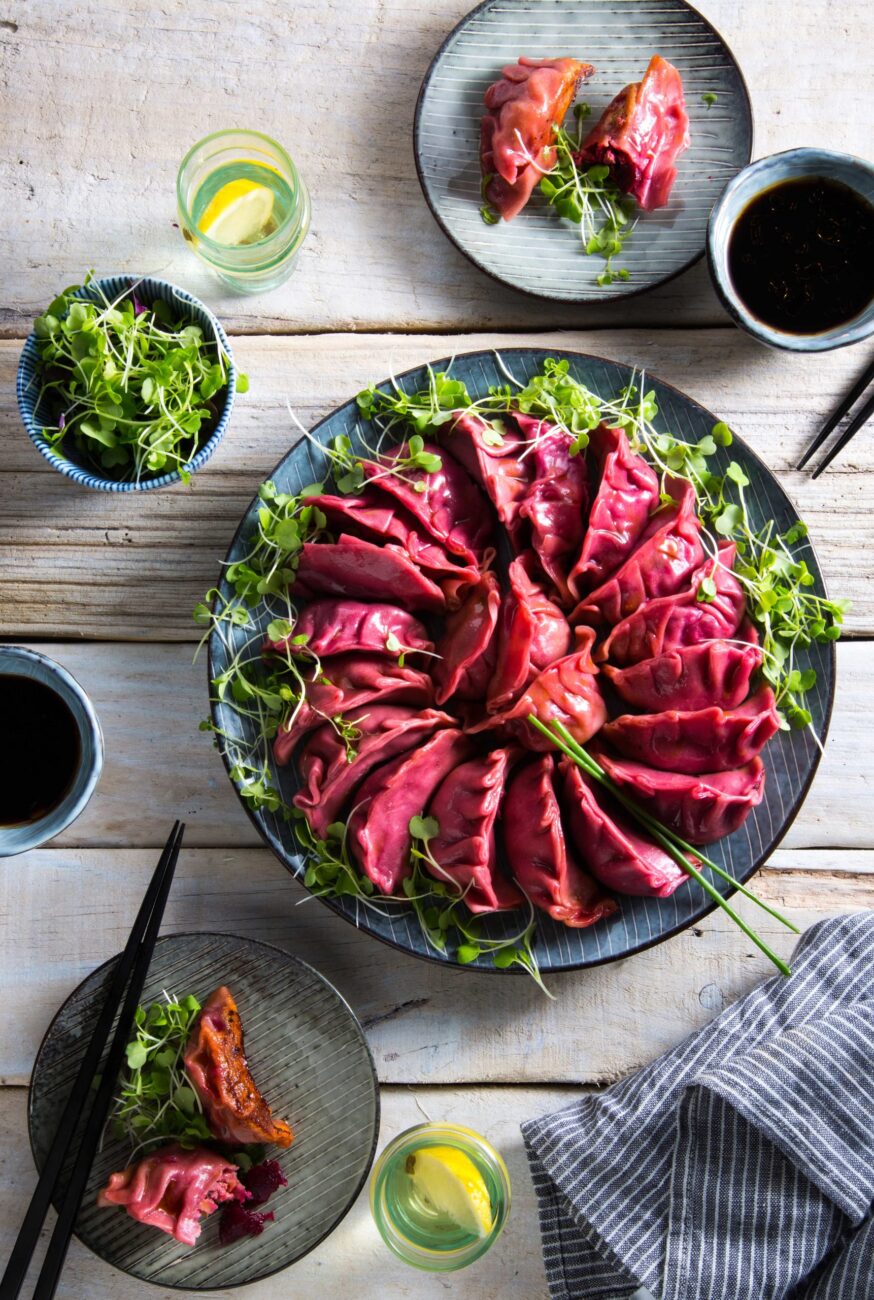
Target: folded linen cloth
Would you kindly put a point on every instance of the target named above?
(740, 1165)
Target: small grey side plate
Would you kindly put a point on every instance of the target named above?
(309, 1056)
(538, 252)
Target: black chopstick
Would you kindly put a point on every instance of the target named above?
(835, 418)
(863, 414)
(135, 958)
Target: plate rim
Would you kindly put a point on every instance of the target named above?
(707, 907)
(602, 297)
(377, 1118)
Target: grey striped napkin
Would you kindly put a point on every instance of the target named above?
(740, 1165)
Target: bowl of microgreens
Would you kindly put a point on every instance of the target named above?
(127, 383)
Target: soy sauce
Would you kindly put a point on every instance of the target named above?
(40, 749)
(801, 255)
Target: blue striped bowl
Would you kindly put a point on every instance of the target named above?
(18, 661)
(67, 460)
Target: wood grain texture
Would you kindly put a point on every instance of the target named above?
(89, 167)
(74, 562)
(71, 909)
(158, 765)
(353, 1264)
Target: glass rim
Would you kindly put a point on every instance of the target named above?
(285, 157)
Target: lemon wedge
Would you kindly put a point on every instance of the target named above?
(238, 213)
(450, 1181)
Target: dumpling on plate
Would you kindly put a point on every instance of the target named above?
(173, 1188)
(640, 135)
(688, 677)
(668, 550)
(669, 622)
(540, 857)
(348, 682)
(516, 133)
(363, 571)
(624, 490)
(491, 452)
(557, 500)
(335, 627)
(700, 740)
(700, 808)
(466, 806)
(610, 843)
(532, 633)
(215, 1062)
(466, 649)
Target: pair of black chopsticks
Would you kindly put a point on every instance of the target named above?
(863, 414)
(130, 971)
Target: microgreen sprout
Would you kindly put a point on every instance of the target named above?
(135, 388)
(156, 1100)
(590, 198)
(709, 98)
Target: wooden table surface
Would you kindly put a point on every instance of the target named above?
(101, 100)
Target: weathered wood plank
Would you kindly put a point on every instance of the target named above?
(150, 699)
(353, 1263)
(90, 164)
(80, 563)
(66, 910)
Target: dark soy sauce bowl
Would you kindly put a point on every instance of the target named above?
(747, 186)
(18, 837)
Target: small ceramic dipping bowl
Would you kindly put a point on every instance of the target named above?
(794, 164)
(17, 661)
(64, 457)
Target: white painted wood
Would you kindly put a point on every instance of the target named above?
(353, 1263)
(105, 105)
(79, 563)
(70, 909)
(150, 699)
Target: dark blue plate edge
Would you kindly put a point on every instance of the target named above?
(288, 956)
(706, 908)
(622, 294)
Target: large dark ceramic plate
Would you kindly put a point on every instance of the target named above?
(537, 252)
(309, 1057)
(791, 758)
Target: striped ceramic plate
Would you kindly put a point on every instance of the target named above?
(307, 1053)
(538, 252)
(791, 758)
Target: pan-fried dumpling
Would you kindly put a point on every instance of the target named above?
(624, 492)
(335, 627)
(329, 777)
(698, 741)
(490, 451)
(556, 503)
(447, 502)
(348, 682)
(539, 855)
(611, 845)
(466, 806)
(352, 567)
(378, 832)
(516, 133)
(668, 550)
(702, 808)
(669, 622)
(641, 133)
(215, 1062)
(532, 634)
(373, 518)
(467, 645)
(567, 690)
(172, 1189)
(690, 677)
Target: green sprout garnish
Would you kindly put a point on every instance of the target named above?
(156, 1100)
(709, 98)
(133, 386)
